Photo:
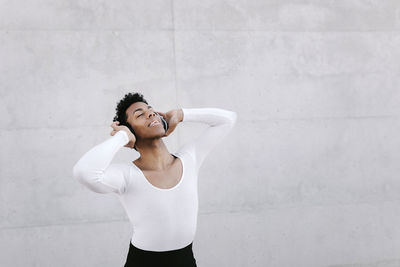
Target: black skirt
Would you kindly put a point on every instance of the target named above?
(172, 258)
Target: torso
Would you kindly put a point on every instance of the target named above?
(164, 179)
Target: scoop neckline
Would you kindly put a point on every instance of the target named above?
(164, 189)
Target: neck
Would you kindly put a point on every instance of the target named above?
(154, 155)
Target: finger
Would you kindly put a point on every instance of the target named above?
(165, 134)
(114, 124)
(170, 129)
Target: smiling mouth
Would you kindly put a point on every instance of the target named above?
(154, 123)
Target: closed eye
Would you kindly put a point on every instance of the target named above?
(149, 107)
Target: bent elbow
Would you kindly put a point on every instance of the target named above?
(232, 118)
(83, 175)
(76, 171)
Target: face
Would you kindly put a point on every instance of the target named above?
(139, 116)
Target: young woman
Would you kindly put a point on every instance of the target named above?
(159, 189)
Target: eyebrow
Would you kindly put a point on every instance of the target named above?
(140, 109)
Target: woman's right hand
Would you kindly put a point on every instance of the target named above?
(116, 128)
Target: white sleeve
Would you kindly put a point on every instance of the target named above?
(220, 122)
(95, 171)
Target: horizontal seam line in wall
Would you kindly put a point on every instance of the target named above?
(264, 119)
(259, 209)
(61, 224)
(202, 30)
(329, 118)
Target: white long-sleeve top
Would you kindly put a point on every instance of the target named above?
(162, 219)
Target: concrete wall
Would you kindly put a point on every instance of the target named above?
(309, 177)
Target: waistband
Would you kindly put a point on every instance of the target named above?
(174, 251)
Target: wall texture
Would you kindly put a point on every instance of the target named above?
(309, 176)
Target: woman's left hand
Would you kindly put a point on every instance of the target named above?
(173, 118)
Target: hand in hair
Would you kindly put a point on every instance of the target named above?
(116, 128)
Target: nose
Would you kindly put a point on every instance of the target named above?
(152, 113)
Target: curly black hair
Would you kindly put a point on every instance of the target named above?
(123, 105)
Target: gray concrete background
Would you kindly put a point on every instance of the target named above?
(309, 176)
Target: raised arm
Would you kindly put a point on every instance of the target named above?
(220, 122)
(95, 171)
